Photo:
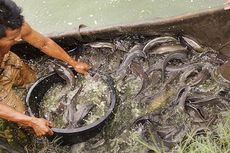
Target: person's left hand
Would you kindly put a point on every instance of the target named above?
(227, 3)
(41, 126)
(82, 68)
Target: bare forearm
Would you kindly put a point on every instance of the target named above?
(40, 126)
(10, 114)
(52, 49)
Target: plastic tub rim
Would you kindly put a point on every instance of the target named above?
(83, 128)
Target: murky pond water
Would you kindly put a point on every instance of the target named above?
(49, 16)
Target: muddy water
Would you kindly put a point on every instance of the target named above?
(49, 16)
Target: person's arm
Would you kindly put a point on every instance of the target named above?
(40, 126)
(50, 48)
(227, 3)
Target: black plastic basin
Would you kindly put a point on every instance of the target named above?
(68, 136)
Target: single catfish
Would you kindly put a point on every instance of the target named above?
(138, 70)
(66, 100)
(191, 44)
(158, 41)
(102, 45)
(72, 114)
(134, 52)
(64, 72)
(168, 48)
(180, 56)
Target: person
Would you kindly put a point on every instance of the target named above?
(14, 72)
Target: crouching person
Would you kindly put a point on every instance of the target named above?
(13, 72)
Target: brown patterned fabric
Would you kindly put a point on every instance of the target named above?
(14, 73)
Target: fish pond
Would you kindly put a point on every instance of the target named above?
(167, 87)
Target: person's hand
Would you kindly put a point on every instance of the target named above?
(227, 5)
(82, 67)
(41, 126)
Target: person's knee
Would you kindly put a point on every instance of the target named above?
(14, 101)
(27, 76)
